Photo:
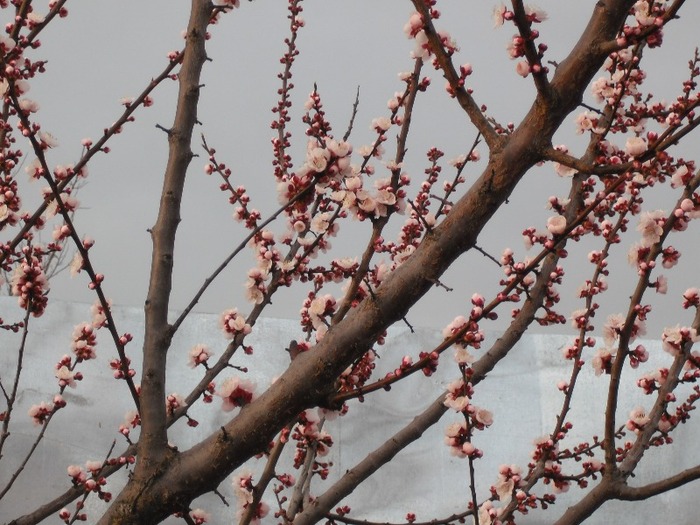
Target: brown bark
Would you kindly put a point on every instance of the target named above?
(153, 450)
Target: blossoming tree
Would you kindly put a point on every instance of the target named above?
(631, 153)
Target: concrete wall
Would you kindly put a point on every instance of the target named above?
(424, 478)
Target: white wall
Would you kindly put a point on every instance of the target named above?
(424, 478)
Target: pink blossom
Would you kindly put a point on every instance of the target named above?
(380, 124)
(638, 419)
(509, 477)
(76, 472)
(673, 338)
(691, 297)
(76, 264)
(255, 285)
(93, 466)
(414, 25)
(602, 360)
(635, 146)
(499, 15)
(317, 159)
(561, 169)
(243, 490)
(339, 149)
(173, 402)
(422, 49)
(651, 227)
(233, 323)
(198, 355)
(84, 341)
(603, 90)
(455, 326)
(99, 318)
(522, 68)
(535, 14)
(69, 203)
(643, 13)
(483, 416)
(455, 397)
(39, 413)
(661, 284)
(462, 355)
(585, 122)
(30, 286)
(28, 106)
(321, 222)
(455, 438)
(66, 377)
(235, 392)
(199, 516)
(319, 308)
(488, 514)
(556, 224)
(47, 140)
(680, 177)
(578, 318)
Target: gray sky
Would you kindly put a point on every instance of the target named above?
(108, 50)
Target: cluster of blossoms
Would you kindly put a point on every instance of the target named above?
(41, 412)
(30, 286)
(652, 381)
(547, 451)
(470, 333)
(415, 29)
(173, 402)
(517, 46)
(509, 478)
(90, 479)
(235, 392)
(421, 219)
(243, 490)
(358, 374)
(488, 514)
(520, 277)
(327, 164)
(675, 338)
(624, 78)
(315, 312)
(458, 394)
(458, 438)
(458, 435)
(84, 342)
(457, 398)
(10, 203)
(122, 368)
(233, 324)
(65, 375)
(309, 436)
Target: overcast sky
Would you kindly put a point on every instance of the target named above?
(108, 50)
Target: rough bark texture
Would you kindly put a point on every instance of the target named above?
(154, 453)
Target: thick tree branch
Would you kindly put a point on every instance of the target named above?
(628, 493)
(153, 446)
